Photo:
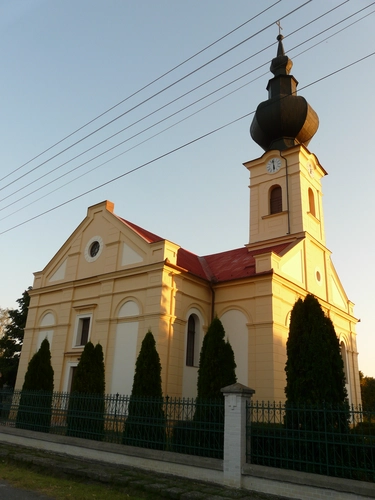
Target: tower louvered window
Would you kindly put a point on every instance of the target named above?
(276, 200)
(311, 203)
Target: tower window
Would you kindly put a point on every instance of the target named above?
(276, 200)
(190, 343)
(311, 202)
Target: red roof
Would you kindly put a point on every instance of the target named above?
(223, 266)
(146, 235)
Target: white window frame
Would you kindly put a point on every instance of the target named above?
(68, 375)
(78, 329)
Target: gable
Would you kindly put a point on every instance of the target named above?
(103, 243)
(292, 264)
(337, 292)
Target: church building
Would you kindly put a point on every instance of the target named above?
(112, 280)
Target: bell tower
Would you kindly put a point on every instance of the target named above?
(285, 183)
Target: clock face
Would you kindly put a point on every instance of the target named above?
(273, 165)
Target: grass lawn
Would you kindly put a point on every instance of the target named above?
(61, 489)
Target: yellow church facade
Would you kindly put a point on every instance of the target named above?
(112, 280)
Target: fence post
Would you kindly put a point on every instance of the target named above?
(235, 398)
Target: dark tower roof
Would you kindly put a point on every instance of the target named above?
(285, 119)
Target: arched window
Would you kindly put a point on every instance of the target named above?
(190, 343)
(345, 361)
(46, 326)
(311, 202)
(276, 200)
(130, 308)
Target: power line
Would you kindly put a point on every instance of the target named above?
(143, 88)
(156, 94)
(189, 143)
(182, 109)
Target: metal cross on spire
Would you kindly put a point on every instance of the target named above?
(279, 25)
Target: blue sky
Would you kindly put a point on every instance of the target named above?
(66, 62)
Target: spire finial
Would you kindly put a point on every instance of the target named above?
(279, 25)
(279, 38)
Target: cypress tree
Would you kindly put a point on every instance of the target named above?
(86, 401)
(217, 367)
(35, 407)
(145, 423)
(314, 368)
(147, 376)
(216, 370)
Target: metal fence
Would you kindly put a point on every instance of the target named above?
(332, 440)
(175, 424)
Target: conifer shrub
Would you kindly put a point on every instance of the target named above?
(217, 366)
(315, 390)
(35, 408)
(204, 435)
(145, 422)
(314, 367)
(86, 402)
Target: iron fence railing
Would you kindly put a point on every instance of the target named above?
(175, 424)
(331, 440)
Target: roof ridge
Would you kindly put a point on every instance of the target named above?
(206, 268)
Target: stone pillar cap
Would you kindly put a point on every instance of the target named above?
(237, 388)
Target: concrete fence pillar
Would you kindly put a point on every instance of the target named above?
(235, 398)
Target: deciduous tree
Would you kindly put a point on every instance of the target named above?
(12, 340)
(367, 392)
(4, 320)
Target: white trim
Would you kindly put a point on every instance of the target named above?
(76, 329)
(88, 246)
(68, 375)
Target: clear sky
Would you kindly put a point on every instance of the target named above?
(65, 62)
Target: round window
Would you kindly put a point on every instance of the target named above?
(94, 248)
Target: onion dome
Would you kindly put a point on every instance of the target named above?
(285, 119)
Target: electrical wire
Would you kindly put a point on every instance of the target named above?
(173, 114)
(157, 94)
(183, 95)
(144, 87)
(189, 143)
